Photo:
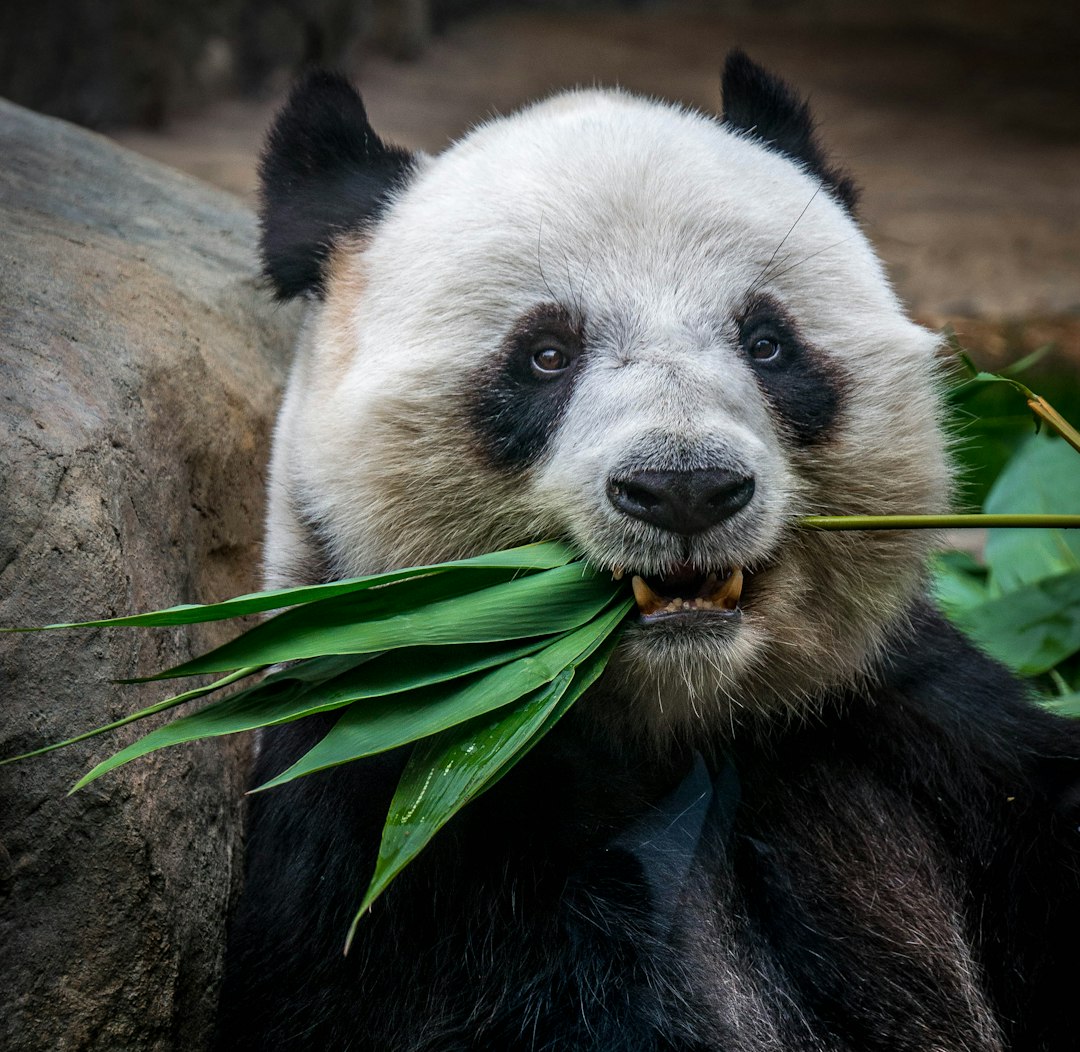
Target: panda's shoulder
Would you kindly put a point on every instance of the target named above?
(957, 735)
(941, 678)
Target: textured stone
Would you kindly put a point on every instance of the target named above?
(140, 363)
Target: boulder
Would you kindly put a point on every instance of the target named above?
(140, 364)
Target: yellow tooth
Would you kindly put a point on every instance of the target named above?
(646, 598)
(617, 573)
(727, 595)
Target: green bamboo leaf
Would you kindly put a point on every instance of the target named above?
(962, 392)
(990, 417)
(1025, 363)
(959, 581)
(530, 557)
(993, 413)
(1043, 477)
(366, 729)
(448, 770)
(543, 603)
(1063, 704)
(1033, 628)
(318, 685)
(374, 604)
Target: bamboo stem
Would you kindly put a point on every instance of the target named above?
(939, 522)
(1042, 408)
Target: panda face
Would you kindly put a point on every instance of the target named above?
(634, 327)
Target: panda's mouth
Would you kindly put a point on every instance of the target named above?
(685, 593)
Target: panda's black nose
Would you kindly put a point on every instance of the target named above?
(685, 502)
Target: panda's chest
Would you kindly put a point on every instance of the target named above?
(717, 919)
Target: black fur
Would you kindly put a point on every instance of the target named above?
(324, 173)
(897, 875)
(763, 106)
(803, 388)
(514, 410)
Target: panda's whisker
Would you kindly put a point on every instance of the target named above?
(813, 255)
(756, 283)
(539, 260)
(574, 296)
(584, 283)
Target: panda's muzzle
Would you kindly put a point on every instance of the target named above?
(686, 504)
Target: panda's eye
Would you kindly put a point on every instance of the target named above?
(549, 360)
(765, 349)
(545, 347)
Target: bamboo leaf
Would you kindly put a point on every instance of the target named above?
(990, 418)
(369, 728)
(543, 603)
(1032, 628)
(1042, 477)
(962, 391)
(530, 557)
(958, 581)
(1063, 704)
(319, 685)
(448, 770)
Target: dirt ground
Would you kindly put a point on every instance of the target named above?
(968, 149)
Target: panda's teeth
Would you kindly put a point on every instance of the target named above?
(722, 595)
(729, 592)
(647, 600)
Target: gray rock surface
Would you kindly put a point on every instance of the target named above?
(140, 363)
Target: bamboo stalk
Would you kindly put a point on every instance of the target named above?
(939, 522)
(1042, 408)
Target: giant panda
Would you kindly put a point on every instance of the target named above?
(798, 811)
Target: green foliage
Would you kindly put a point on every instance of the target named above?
(449, 769)
(530, 557)
(364, 730)
(1021, 603)
(1042, 477)
(473, 660)
(990, 416)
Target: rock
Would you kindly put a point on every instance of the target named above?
(140, 364)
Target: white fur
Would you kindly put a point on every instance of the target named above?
(651, 223)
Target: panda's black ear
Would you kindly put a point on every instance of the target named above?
(763, 106)
(323, 173)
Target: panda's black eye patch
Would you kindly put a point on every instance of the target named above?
(520, 397)
(803, 387)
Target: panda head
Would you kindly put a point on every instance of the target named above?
(657, 334)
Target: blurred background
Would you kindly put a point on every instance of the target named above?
(960, 119)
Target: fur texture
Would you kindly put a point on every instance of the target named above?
(822, 824)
